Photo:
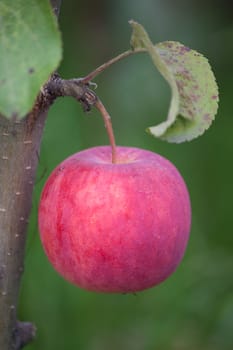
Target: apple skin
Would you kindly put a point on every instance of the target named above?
(119, 227)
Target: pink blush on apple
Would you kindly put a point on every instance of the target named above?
(119, 227)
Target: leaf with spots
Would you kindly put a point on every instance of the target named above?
(194, 100)
(30, 50)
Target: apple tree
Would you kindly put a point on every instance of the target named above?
(29, 85)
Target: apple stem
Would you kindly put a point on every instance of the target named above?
(107, 64)
(108, 124)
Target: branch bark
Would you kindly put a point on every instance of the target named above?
(19, 149)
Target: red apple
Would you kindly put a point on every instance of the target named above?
(119, 227)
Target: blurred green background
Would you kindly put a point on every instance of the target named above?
(193, 309)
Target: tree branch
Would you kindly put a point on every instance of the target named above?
(19, 148)
(57, 87)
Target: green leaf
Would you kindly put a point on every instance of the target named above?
(30, 50)
(194, 100)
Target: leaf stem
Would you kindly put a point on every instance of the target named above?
(107, 64)
(108, 124)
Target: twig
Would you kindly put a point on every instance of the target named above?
(107, 64)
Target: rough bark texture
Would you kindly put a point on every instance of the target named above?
(19, 150)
